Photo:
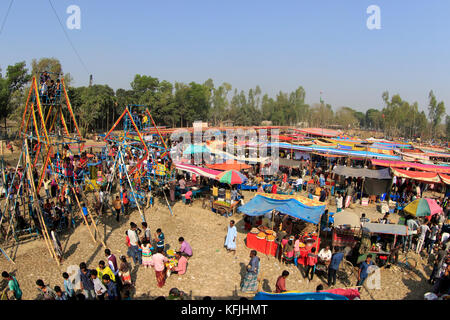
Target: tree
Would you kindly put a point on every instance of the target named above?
(435, 111)
(16, 78)
(345, 116)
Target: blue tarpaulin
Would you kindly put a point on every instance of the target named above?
(260, 205)
(299, 296)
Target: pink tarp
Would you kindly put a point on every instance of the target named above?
(418, 166)
(204, 172)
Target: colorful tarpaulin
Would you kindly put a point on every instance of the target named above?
(429, 177)
(329, 150)
(319, 132)
(204, 172)
(295, 295)
(261, 205)
(231, 177)
(418, 166)
(423, 207)
(229, 166)
(195, 148)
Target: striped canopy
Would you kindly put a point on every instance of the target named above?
(423, 207)
(231, 177)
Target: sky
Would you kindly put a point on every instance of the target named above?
(279, 45)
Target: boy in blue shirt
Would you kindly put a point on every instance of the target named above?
(363, 270)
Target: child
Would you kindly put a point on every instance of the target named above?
(159, 238)
(146, 253)
(339, 202)
(60, 295)
(311, 261)
(68, 286)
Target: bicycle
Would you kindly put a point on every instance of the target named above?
(346, 271)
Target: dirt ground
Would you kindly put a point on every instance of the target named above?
(211, 271)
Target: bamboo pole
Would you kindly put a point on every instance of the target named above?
(93, 221)
(82, 214)
(44, 230)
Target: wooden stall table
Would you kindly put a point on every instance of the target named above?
(229, 209)
(256, 244)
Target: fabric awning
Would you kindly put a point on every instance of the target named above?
(229, 166)
(261, 205)
(208, 173)
(429, 177)
(288, 162)
(418, 166)
(396, 229)
(362, 173)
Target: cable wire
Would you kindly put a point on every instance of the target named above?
(6, 17)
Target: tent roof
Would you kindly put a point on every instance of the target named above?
(366, 173)
(397, 229)
(261, 205)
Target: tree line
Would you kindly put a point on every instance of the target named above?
(179, 104)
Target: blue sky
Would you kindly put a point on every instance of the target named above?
(279, 45)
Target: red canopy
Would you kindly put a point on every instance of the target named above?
(229, 166)
(404, 164)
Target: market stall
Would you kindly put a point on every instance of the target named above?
(263, 239)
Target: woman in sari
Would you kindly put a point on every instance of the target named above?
(124, 272)
(250, 281)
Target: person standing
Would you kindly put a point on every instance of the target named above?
(147, 234)
(117, 206)
(158, 263)
(87, 286)
(281, 282)
(159, 238)
(412, 230)
(339, 202)
(336, 260)
(112, 293)
(311, 261)
(68, 286)
(363, 272)
(13, 285)
(126, 201)
(250, 281)
(45, 292)
(230, 240)
(431, 239)
(133, 250)
(422, 235)
(99, 287)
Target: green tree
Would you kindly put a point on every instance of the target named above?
(16, 78)
(436, 110)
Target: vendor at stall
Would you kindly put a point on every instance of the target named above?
(181, 264)
(325, 256)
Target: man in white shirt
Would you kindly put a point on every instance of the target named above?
(134, 243)
(99, 288)
(299, 184)
(423, 232)
(325, 256)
